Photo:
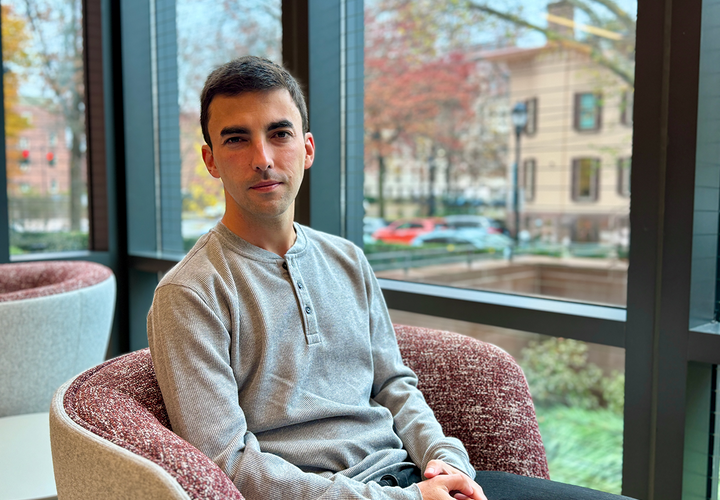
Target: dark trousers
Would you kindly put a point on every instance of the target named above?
(505, 486)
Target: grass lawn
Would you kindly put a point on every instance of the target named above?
(583, 447)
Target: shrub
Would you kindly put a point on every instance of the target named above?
(30, 242)
(558, 373)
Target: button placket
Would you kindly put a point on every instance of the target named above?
(304, 302)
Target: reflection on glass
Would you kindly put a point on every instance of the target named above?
(45, 125)
(211, 33)
(440, 81)
(578, 392)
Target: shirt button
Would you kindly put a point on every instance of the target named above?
(308, 310)
(300, 286)
(284, 265)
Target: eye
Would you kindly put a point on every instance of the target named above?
(232, 140)
(283, 134)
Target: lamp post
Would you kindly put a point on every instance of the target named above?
(519, 119)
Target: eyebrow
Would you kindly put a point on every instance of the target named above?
(233, 130)
(280, 124)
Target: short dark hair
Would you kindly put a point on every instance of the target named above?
(248, 74)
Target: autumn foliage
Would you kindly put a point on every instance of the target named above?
(15, 38)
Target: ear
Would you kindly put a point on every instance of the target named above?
(209, 160)
(309, 150)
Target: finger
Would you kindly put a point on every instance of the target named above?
(437, 467)
(459, 484)
(434, 467)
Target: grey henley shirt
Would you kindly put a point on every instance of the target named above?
(286, 371)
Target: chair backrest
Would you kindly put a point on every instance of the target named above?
(480, 395)
(111, 438)
(55, 321)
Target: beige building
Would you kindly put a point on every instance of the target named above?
(575, 150)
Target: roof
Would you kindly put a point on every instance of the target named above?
(509, 54)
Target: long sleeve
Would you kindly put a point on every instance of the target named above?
(395, 387)
(191, 350)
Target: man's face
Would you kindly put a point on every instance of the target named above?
(259, 151)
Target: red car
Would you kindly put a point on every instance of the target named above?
(404, 231)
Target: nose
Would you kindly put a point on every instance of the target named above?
(261, 158)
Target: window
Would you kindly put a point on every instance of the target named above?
(531, 105)
(577, 391)
(588, 112)
(528, 179)
(585, 179)
(237, 28)
(45, 92)
(541, 244)
(623, 176)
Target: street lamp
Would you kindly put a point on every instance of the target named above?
(519, 119)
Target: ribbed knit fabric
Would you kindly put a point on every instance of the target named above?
(286, 371)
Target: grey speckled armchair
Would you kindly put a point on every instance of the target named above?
(111, 436)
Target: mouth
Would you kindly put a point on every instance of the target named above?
(266, 185)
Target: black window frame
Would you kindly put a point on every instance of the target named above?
(597, 112)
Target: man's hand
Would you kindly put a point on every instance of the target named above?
(445, 482)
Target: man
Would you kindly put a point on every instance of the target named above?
(272, 344)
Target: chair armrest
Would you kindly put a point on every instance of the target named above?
(120, 402)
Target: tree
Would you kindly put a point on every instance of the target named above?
(419, 86)
(58, 49)
(610, 36)
(15, 38)
(210, 33)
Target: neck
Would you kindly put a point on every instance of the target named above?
(275, 235)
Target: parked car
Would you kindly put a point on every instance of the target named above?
(479, 238)
(404, 231)
(476, 221)
(372, 224)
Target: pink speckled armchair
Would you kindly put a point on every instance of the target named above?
(111, 438)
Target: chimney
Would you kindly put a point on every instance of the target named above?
(561, 17)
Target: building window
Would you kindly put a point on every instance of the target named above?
(532, 109)
(623, 176)
(585, 179)
(588, 111)
(528, 179)
(626, 107)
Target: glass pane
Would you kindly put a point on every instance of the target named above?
(584, 176)
(45, 125)
(211, 33)
(441, 79)
(578, 391)
(587, 112)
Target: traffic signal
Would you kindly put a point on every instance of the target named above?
(50, 158)
(25, 159)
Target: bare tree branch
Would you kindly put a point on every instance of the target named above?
(596, 53)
